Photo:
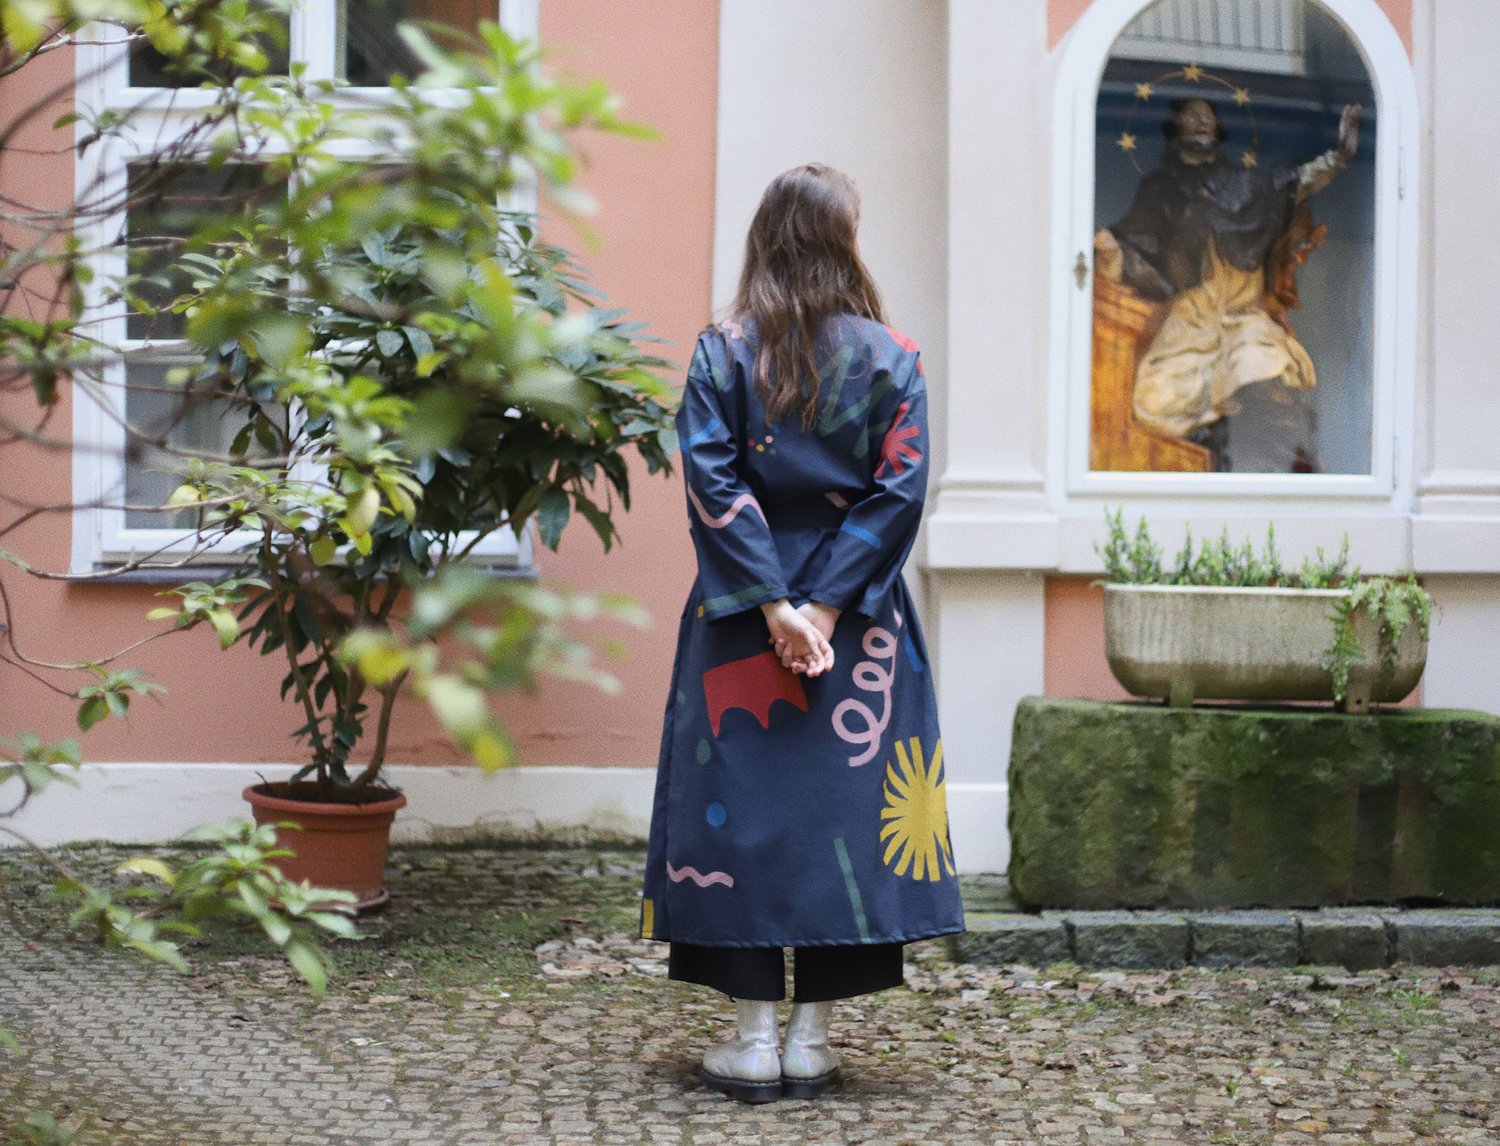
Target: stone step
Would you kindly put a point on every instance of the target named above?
(1354, 938)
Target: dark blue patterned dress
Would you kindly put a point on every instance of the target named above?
(789, 811)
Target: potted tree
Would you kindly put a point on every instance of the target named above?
(1228, 622)
(399, 370)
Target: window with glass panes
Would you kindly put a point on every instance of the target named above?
(121, 478)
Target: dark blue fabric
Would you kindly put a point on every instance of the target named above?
(791, 811)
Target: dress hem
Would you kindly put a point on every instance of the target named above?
(854, 941)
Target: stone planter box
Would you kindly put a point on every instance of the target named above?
(1186, 642)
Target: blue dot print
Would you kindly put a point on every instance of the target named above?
(716, 815)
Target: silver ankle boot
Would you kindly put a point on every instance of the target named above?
(808, 1064)
(747, 1067)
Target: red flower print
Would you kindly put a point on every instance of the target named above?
(896, 450)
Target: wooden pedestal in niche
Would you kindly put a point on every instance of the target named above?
(1124, 323)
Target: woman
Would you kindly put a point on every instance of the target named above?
(799, 796)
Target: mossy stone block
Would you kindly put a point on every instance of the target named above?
(1432, 938)
(999, 939)
(1142, 805)
(1245, 939)
(1356, 941)
(1127, 938)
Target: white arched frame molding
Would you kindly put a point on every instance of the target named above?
(1387, 490)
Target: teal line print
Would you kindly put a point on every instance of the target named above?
(855, 900)
(834, 375)
(729, 600)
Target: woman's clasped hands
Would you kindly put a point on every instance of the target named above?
(801, 635)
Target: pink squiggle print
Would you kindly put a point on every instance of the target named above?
(678, 874)
(743, 501)
(871, 676)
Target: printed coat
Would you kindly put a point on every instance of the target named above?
(793, 811)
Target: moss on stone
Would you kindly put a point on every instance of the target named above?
(1144, 805)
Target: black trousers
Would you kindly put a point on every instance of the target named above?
(818, 973)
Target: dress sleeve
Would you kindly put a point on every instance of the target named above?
(738, 564)
(880, 528)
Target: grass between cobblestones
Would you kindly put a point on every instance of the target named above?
(503, 997)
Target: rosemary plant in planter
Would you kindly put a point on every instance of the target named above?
(1223, 621)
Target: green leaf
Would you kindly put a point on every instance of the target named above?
(389, 342)
(334, 923)
(430, 362)
(225, 624)
(162, 613)
(490, 750)
(22, 30)
(148, 865)
(277, 929)
(459, 705)
(281, 340)
(91, 712)
(363, 511)
(307, 961)
(437, 419)
(323, 550)
(551, 516)
(161, 950)
(420, 342)
(381, 664)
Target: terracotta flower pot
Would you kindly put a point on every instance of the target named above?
(338, 845)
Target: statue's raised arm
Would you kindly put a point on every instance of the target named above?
(1316, 174)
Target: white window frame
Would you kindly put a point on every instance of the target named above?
(101, 540)
(1071, 482)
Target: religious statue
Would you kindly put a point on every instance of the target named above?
(1217, 242)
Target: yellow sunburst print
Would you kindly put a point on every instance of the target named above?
(916, 813)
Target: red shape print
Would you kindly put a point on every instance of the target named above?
(895, 448)
(751, 684)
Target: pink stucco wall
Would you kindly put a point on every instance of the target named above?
(655, 224)
(655, 248)
(1063, 14)
(1073, 661)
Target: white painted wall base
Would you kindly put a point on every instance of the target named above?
(977, 815)
(157, 803)
(1463, 657)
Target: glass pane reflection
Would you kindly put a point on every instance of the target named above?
(370, 50)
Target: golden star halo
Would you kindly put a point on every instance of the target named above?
(1192, 73)
(1126, 142)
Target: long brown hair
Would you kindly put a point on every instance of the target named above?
(802, 266)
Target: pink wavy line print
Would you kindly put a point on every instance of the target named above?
(741, 502)
(678, 874)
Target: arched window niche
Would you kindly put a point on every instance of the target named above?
(1234, 308)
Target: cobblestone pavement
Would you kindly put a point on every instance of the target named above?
(502, 999)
